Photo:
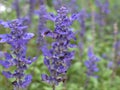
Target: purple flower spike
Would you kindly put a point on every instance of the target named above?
(31, 9)
(18, 39)
(105, 8)
(90, 53)
(17, 8)
(41, 24)
(91, 63)
(58, 58)
(103, 11)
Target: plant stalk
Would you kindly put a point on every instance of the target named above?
(53, 87)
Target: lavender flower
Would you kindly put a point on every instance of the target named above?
(82, 18)
(91, 63)
(99, 19)
(18, 39)
(17, 8)
(31, 9)
(110, 64)
(41, 24)
(73, 6)
(58, 58)
(104, 10)
(103, 7)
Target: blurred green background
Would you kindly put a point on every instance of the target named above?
(103, 41)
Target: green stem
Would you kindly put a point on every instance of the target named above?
(86, 83)
(53, 87)
(115, 58)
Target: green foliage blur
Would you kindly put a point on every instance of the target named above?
(76, 76)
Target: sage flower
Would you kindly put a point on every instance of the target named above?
(18, 39)
(58, 58)
(91, 63)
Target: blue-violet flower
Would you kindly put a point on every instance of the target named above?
(18, 39)
(58, 58)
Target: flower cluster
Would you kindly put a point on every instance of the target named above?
(104, 10)
(31, 9)
(82, 21)
(17, 8)
(58, 58)
(91, 63)
(82, 18)
(104, 7)
(41, 24)
(73, 6)
(18, 39)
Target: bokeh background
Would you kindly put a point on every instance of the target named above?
(101, 31)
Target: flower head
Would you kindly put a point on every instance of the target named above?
(104, 7)
(18, 39)
(58, 58)
(41, 24)
(91, 63)
(16, 7)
